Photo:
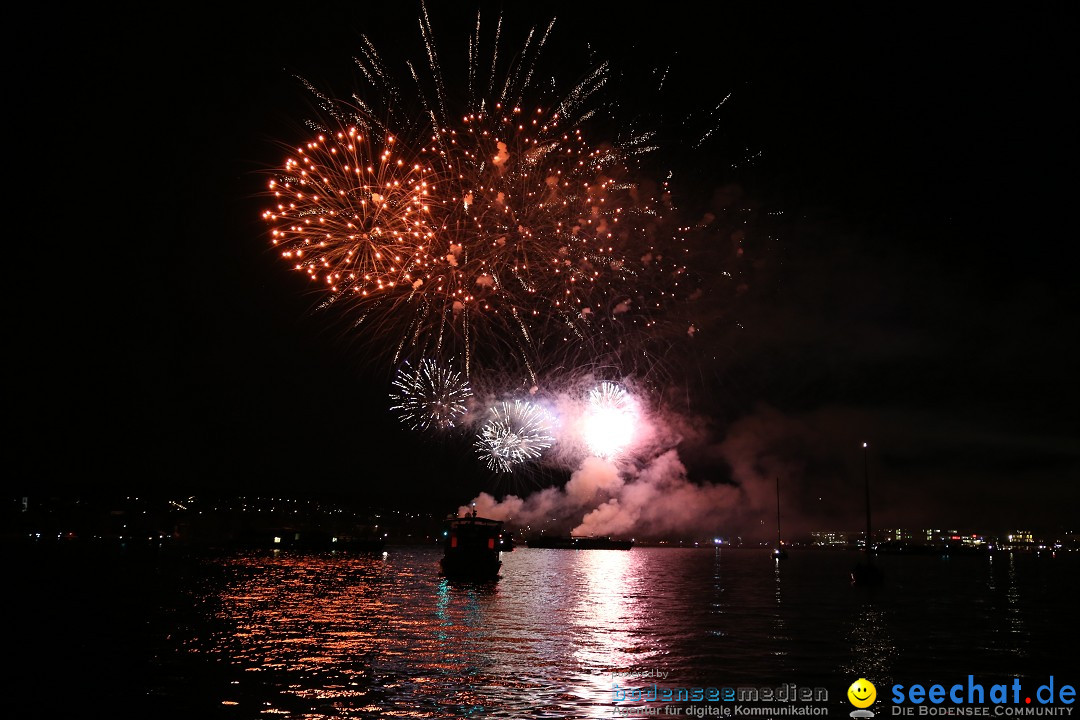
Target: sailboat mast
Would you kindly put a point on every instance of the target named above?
(867, 573)
(866, 476)
(777, 511)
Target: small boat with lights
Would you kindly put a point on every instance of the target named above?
(580, 542)
(472, 548)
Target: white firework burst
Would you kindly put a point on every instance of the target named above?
(611, 420)
(431, 397)
(517, 432)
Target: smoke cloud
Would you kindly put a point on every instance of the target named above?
(651, 492)
(647, 493)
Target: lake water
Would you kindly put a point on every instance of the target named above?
(262, 635)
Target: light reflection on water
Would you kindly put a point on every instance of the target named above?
(385, 636)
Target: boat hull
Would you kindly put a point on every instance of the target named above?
(470, 568)
(471, 548)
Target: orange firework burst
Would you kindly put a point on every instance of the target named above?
(350, 215)
(500, 236)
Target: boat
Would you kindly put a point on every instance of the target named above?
(779, 553)
(866, 573)
(579, 542)
(472, 548)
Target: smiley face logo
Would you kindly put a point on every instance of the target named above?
(862, 693)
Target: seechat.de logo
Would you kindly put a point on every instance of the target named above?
(976, 698)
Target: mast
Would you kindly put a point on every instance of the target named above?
(777, 512)
(867, 574)
(866, 476)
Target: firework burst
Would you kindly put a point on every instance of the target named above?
(351, 214)
(610, 421)
(499, 234)
(429, 397)
(516, 432)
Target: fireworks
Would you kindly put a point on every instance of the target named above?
(430, 397)
(486, 235)
(610, 420)
(501, 236)
(516, 432)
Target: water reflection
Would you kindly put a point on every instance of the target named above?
(873, 648)
(386, 636)
(1015, 617)
(314, 635)
(303, 625)
(781, 640)
(1008, 629)
(606, 624)
(604, 611)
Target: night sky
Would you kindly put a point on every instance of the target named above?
(917, 291)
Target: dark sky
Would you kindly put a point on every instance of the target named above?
(917, 290)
